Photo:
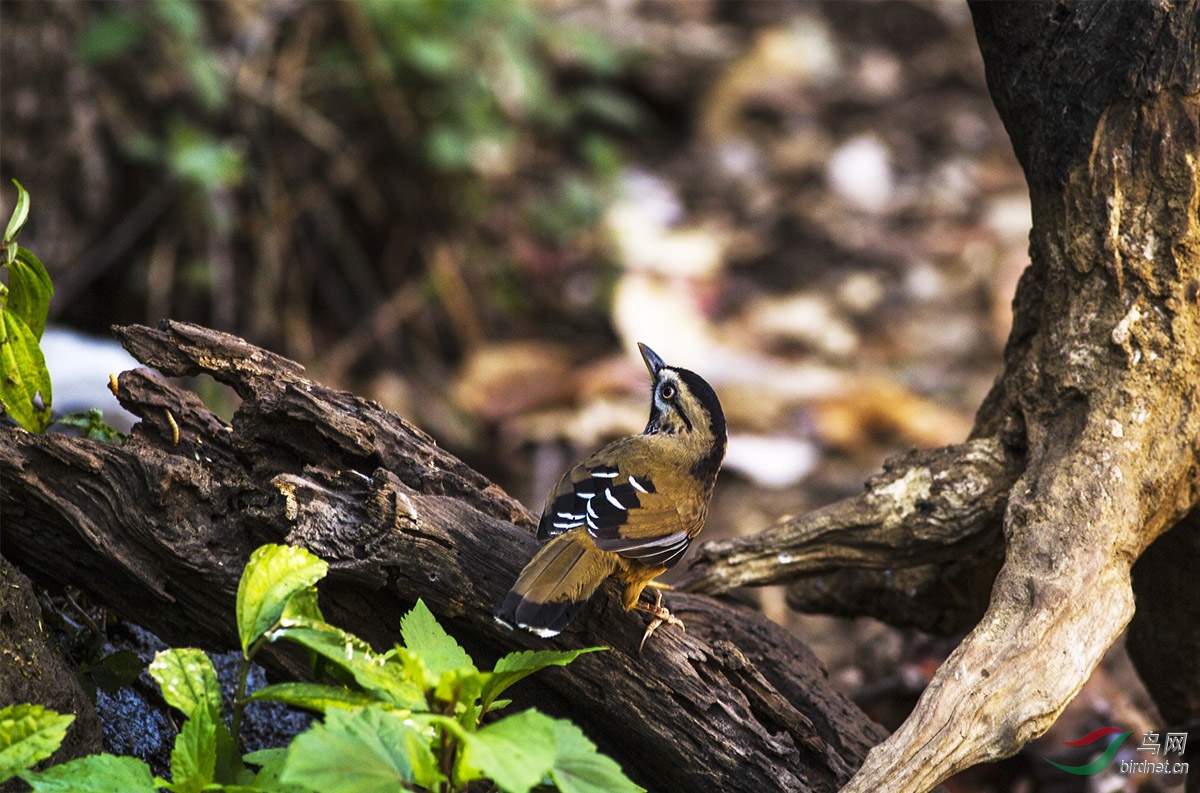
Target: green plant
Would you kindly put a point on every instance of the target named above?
(91, 425)
(25, 392)
(411, 718)
(24, 306)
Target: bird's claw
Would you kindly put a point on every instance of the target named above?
(661, 615)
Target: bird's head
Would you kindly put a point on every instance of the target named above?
(683, 404)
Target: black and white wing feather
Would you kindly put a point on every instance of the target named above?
(622, 513)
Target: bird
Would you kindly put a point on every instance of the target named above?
(629, 511)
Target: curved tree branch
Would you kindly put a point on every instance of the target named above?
(930, 521)
(1097, 410)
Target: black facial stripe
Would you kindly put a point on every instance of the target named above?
(704, 394)
(656, 413)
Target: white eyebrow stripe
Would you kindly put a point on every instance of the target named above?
(613, 500)
(633, 481)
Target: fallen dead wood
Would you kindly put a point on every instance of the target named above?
(919, 547)
(159, 528)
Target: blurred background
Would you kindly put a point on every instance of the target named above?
(472, 210)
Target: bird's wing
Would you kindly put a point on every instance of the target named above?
(622, 511)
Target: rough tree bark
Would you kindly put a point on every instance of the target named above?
(32, 670)
(1087, 448)
(159, 529)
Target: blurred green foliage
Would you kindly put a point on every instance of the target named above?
(180, 24)
(192, 150)
(330, 131)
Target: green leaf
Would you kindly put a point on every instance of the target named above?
(579, 768)
(313, 696)
(109, 37)
(30, 291)
(211, 84)
(462, 688)
(302, 608)
(516, 752)
(116, 670)
(267, 778)
(188, 681)
(20, 214)
(361, 752)
(264, 757)
(198, 159)
(591, 49)
(517, 666)
(435, 56)
(182, 17)
(99, 773)
(385, 679)
(194, 758)
(272, 576)
(229, 768)
(92, 423)
(424, 764)
(424, 636)
(447, 148)
(23, 375)
(29, 734)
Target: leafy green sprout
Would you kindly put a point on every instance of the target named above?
(25, 392)
(409, 719)
(24, 306)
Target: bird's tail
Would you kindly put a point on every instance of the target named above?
(555, 584)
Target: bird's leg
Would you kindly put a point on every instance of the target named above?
(661, 615)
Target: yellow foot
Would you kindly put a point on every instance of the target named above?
(661, 615)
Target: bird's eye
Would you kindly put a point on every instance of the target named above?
(668, 391)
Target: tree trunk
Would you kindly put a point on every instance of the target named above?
(1087, 448)
(159, 529)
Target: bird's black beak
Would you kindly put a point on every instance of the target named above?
(653, 362)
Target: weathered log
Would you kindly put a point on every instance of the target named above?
(159, 529)
(919, 547)
(1097, 409)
